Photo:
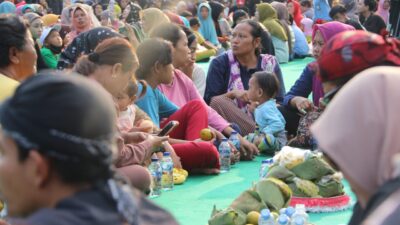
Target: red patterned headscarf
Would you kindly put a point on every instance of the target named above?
(351, 52)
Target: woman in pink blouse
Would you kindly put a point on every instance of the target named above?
(182, 89)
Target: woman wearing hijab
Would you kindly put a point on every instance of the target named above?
(383, 9)
(222, 26)
(72, 157)
(152, 17)
(365, 49)
(295, 10)
(371, 188)
(283, 17)
(84, 44)
(344, 134)
(7, 7)
(36, 28)
(16, 42)
(82, 19)
(207, 27)
(131, 16)
(321, 10)
(296, 100)
(268, 17)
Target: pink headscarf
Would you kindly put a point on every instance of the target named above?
(382, 12)
(330, 29)
(359, 129)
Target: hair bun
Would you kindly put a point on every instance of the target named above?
(94, 57)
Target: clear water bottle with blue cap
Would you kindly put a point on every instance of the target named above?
(300, 212)
(298, 221)
(224, 156)
(266, 218)
(234, 138)
(283, 219)
(156, 173)
(167, 166)
(265, 164)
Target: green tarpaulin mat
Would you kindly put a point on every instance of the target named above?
(192, 202)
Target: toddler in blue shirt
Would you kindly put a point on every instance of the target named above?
(270, 135)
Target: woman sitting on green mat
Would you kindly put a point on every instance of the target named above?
(229, 75)
(296, 100)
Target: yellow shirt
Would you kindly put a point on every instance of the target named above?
(7, 87)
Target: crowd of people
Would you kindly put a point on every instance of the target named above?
(85, 87)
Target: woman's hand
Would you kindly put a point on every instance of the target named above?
(157, 141)
(302, 104)
(238, 94)
(252, 106)
(134, 137)
(247, 149)
(175, 158)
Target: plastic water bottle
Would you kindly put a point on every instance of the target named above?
(234, 138)
(265, 164)
(224, 156)
(300, 212)
(298, 221)
(283, 219)
(266, 218)
(167, 166)
(156, 173)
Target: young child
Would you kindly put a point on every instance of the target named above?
(131, 118)
(271, 136)
(206, 49)
(52, 45)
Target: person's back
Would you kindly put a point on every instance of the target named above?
(76, 184)
(300, 48)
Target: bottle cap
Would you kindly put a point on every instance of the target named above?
(167, 153)
(265, 213)
(234, 132)
(265, 161)
(290, 211)
(154, 159)
(282, 219)
(224, 140)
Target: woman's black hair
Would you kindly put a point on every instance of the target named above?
(189, 34)
(256, 31)
(371, 5)
(13, 33)
(238, 14)
(150, 52)
(267, 82)
(167, 31)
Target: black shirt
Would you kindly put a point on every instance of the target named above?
(373, 23)
(96, 207)
(354, 24)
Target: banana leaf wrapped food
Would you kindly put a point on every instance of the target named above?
(313, 168)
(228, 216)
(248, 201)
(330, 186)
(274, 193)
(281, 173)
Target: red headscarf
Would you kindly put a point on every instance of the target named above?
(297, 16)
(351, 52)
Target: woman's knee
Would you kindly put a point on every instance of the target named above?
(138, 176)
